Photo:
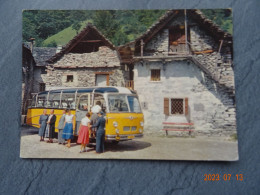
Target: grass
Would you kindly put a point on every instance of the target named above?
(64, 36)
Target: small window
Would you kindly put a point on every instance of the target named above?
(176, 106)
(155, 74)
(102, 80)
(42, 87)
(69, 78)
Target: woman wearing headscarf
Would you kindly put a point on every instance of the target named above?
(43, 123)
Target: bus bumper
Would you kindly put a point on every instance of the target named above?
(123, 137)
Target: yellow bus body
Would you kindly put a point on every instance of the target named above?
(129, 124)
(33, 116)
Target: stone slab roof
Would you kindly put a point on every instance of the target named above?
(103, 58)
(42, 54)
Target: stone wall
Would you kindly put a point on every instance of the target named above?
(83, 67)
(159, 44)
(85, 77)
(210, 107)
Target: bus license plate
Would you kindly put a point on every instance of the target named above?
(131, 137)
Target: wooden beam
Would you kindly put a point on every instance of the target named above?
(107, 79)
(104, 73)
(201, 52)
(220, 46)
(186, 32)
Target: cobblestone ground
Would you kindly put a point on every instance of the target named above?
(148, 147)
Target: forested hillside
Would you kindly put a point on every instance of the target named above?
(55, 27)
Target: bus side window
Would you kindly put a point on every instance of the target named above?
(54, 100)
(33, 102)
(42, 100)
(100, 98)
(68, 100)
(83, 101)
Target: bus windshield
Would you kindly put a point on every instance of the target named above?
(123, 103)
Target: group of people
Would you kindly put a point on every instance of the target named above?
(84, 127)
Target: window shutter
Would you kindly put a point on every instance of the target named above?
(186, 106)
(166, 106)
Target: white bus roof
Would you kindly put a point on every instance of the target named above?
(108, 89)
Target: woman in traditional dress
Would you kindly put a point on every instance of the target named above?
(50, 129)
(60, 127)
(42, 123)
(68, 128)
(84, 128)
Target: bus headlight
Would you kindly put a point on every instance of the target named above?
(117, 131)
(140, 130)
(142, 124)
(115, 124)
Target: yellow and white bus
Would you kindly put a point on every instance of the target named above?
(124, 117)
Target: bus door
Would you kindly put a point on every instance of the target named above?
(84, 101)
(82, 107)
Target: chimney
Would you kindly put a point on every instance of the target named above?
(59, 48)
(31, 40)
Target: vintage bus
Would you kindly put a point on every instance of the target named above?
(124, 117)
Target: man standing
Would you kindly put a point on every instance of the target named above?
(100, 134)
(51, 122)
(60, 127)
(80, 114)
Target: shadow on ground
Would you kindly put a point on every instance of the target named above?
(123, 146)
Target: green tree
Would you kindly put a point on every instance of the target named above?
(106, 23)
(76, 26)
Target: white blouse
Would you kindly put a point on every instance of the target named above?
(85, 121)
(68, 118)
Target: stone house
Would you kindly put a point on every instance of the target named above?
(183, 73)
(89, 59)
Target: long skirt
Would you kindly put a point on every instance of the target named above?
(42, 129)
(67, 131)
(47, 131)
(83, 135)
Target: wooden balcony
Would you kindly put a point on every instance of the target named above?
(129, 84)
